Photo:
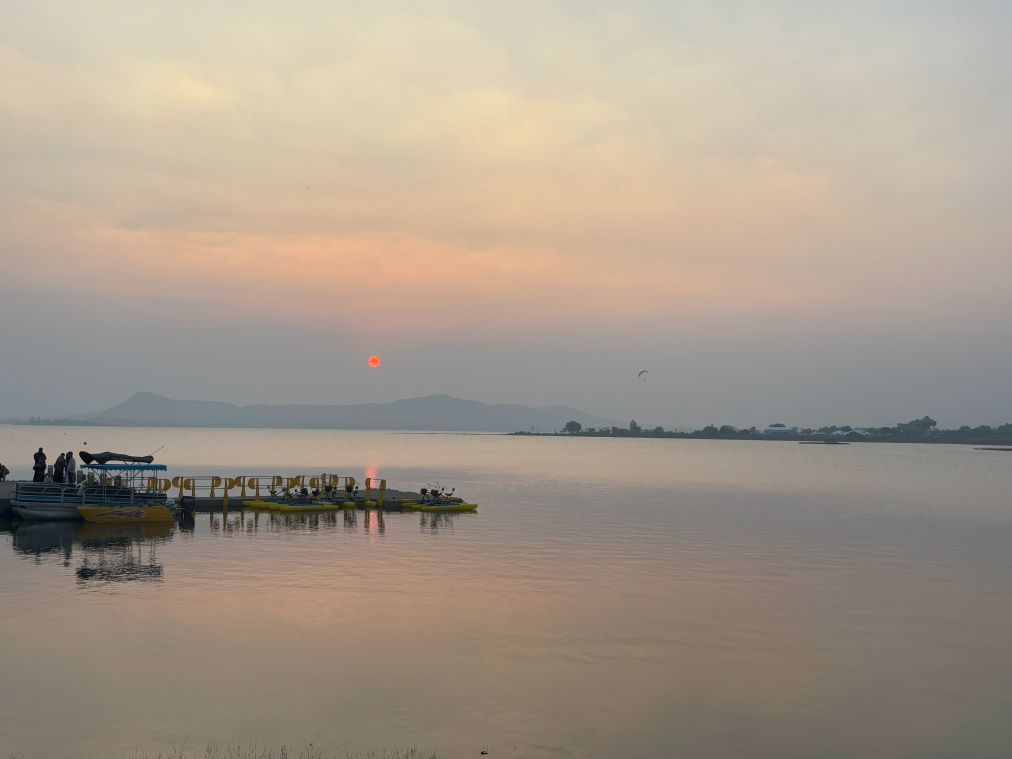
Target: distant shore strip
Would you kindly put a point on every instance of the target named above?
(924, 430)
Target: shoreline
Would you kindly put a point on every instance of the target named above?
(1001, 444)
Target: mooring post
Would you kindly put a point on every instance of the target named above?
(230, 482)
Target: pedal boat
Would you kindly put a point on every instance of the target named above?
(309, 507)
(262, 505)
(304, 507)
(447, 508)
(439, 508)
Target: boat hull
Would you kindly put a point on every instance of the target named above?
(125, 514)
(263, 505)
(294, 507)
(449, 508)
(306, 508)
(46, 511)
(441, 508)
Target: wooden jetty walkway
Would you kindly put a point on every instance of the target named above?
(211, 494)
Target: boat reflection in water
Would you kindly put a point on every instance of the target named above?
(274, 522)
(106, 552)
(373, 521)
(441, 522)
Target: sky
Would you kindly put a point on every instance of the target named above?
(785, 211)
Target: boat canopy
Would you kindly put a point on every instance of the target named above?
(125, 467)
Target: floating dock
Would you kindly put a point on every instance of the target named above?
(215, 493)
(6, 494)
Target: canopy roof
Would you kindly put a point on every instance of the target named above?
(126, 467)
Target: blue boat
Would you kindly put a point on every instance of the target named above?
(109, 485)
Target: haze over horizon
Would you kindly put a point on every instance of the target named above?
(784, 211)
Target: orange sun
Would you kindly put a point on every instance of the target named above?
(374, 361)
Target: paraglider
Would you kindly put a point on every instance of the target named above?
(642, 375)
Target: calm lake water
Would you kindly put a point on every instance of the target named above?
(611, 598)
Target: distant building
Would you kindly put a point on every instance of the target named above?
(918, 427)
(780, 429)
(861, 431)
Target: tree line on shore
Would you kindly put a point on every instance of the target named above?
(923, 430)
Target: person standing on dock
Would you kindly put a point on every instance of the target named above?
(71, 468)
(4, 471)
(59, 468)
(40, 466)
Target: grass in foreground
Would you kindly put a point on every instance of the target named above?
(236, 750)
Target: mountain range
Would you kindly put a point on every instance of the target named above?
(430, 412)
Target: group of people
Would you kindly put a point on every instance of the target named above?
(64, 469)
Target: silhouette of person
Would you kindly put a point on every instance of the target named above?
(71, 468)
(40, 466)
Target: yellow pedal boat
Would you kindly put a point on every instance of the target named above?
(439, 508)
(293, 506)
(263, 505)
(309, 506)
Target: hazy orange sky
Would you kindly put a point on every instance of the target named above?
(785, 211)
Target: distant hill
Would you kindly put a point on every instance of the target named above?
(431, 412)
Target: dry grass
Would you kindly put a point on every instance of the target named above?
(234, 749)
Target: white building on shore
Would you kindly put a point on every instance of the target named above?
(774, 430)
